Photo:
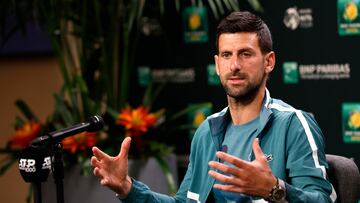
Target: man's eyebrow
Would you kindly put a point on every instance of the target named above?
(223, 51)
(245, 49)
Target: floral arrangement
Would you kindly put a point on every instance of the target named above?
(139, 123)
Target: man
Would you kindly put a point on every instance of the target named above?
(256, 149)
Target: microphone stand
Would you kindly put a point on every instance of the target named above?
(37, 192)
(57, 166)
(58, 172)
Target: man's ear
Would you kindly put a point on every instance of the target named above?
(216, 58)
(269, 62)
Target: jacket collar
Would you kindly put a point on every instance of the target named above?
(218, 122)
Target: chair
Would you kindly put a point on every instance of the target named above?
(344, 176)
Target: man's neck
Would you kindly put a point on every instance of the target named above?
(244, 111)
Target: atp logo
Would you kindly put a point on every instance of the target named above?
(27, 165)
(47, 163)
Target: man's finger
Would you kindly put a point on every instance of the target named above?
(224, 168)
(104, 181)
(228, 188)
(97, 171)
(94, 161)
(99, 154)
(226, 179)
(220, 177)
(125, 146)
(259, 155)
(232, 160)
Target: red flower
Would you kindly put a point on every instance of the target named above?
(136, 121)
(25, 134)
(79, 142)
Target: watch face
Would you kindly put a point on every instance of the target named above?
(279, 194)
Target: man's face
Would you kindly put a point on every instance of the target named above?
(241, 66)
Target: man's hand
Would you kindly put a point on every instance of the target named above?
(252, 178)
(113, 171)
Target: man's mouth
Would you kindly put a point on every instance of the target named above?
(236, 80)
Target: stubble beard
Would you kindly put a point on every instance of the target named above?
(245, 92)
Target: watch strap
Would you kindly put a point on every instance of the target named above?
(280, 185)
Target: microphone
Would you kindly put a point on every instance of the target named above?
(35, 164)
(94, 124)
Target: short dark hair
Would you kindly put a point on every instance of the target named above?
(244, 21)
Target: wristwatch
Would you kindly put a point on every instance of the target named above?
(277, 193)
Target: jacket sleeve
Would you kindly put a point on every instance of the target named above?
(306, 162)
(142, 193)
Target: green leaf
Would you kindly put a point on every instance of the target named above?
(220, 6)
(148, 96)
(87, 109)
(141, 9)
(167, 172)
(227, 4)
(184, 127)
(133, 10)
(61, 109)
(80, 82)
(213, 9)
(59, 126)
(255, 4)
(113, 113)
(74, 107)
(19, 122)
(110, 151)
(235, 5)
(190, 109)
(177, 5)
(6, 164)
(86, 168)
(29, 194)
(24, 108)
(161, 7)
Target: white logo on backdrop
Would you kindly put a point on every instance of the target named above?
(298, 18)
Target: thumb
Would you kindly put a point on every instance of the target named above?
(125, 146)
(259, 155)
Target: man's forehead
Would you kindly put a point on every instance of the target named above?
(239, 40)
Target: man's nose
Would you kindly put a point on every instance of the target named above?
(235, 63)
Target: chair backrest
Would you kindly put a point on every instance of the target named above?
(344, 175)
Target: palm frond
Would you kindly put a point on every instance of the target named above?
(24, 108)
(213, 9)
(256, 5)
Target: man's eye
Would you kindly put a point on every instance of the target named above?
(226, 55)
(245, 54)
